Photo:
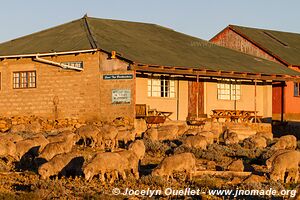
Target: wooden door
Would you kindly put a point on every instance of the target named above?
(192, 104)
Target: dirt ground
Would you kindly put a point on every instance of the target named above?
(20, 181)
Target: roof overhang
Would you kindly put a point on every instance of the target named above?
(189, 71)
(48, 54)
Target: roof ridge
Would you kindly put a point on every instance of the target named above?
(89, 33)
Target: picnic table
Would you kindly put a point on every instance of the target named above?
(155, 112)
(235, 115)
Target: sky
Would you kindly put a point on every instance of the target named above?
(198, 18)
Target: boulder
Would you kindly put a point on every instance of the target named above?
(236, 166)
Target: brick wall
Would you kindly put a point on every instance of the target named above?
(76, 92)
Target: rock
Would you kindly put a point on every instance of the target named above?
(236, 166)
(5, 125)
(255, 179)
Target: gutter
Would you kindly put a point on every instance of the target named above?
(48, 54)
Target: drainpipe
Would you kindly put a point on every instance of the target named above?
(282, 101)
(64, 66)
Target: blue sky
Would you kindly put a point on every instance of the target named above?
(194, 17)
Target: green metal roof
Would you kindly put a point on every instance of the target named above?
(141, 43)
(283, 45)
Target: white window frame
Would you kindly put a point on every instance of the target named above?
(228, 89)
(161, 86)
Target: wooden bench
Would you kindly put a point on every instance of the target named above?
(154, 120)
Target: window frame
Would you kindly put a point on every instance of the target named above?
(27, 79)
(161, 87)
(230, 88)
(296, 89)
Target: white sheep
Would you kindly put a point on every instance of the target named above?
(55, 165)
(275, 154)
(197, 141)
(126, 136)
(286, 162)
(184, 162)
(53, 149)
(59, 137)
(24, 146)
(138, 147)
(103, 163)
(132, 161)
(88, 132)
(8, 148)
(286, 142)
(13, 137)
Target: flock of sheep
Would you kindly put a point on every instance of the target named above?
(54, 153)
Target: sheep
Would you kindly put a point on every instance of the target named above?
(56, 148)
(176, 163)
(59, 137)
(276, 153)
(210, 136)
(138, 147)
(266, 135)
(104, 163)
(152, 134)
(24, 146)
(88, 132)
(109, 134)
(8, 148)
(55, 165)
(231, 138)
(255, 141)
(197, 141)
(286, 162)
(286, 142)
(168, 132)
(13, 137)
(133, 161)
(126, 136)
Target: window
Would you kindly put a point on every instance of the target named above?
(24, 79)
(229, 90)
(161, 87)
(296, 89)
(77, 64)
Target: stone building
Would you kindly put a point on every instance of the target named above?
(100, 69)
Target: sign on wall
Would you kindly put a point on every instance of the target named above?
(117, 76)
(121, 96)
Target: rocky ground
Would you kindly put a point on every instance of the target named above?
(21, 181)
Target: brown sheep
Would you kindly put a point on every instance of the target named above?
(197, 141)
(24, 146)
(176, 163)
(103, 163)
(255, 141)
(286, 142)
(210, 136)
(138, 147)
(53, 149)
(55, 165)
(286, 162)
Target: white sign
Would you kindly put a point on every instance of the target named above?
(121, 96)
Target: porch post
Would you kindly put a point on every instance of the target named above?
(255, 94)
(197, 96)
